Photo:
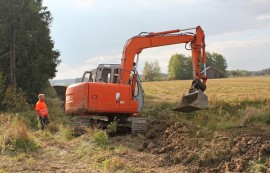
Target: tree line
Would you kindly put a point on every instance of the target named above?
(180, 67)
(236, 73)
(27, 55)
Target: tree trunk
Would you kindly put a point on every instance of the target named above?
(13, 62)
(14, 59)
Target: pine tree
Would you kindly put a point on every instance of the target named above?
(29, 59)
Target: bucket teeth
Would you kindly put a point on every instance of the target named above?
(192, 102)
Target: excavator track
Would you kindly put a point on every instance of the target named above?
(138, 125)
(82, 124)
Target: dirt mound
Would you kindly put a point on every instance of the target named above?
(205, 150)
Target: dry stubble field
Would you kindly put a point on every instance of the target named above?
(227, 89)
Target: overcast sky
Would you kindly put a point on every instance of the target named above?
(90, 32)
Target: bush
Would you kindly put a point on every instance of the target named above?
(15, 100)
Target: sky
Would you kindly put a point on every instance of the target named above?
(91, 32)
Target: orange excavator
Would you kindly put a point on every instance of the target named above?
(114, 91)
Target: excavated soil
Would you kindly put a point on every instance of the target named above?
(238, 150)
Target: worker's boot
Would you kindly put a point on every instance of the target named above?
(42, 126)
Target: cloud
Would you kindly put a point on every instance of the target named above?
(236, 51)
(89, 32)
(242, 53)
(67, 71)
(83, 4)
(221, 46)
(263, 17)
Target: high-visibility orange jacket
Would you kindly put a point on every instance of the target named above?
(42, 108)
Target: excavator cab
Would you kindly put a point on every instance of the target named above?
(195, 100)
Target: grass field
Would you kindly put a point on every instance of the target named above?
(227, 89)
(238, 112)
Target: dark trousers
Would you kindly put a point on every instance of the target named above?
(44, 121)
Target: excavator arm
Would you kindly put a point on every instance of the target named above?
(195, 100)
(136, 44)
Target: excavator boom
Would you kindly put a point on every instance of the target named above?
(136, 44)
(195, 99)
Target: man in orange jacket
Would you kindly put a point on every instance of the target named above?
(42, 111)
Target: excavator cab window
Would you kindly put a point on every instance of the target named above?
(133, 82)
(87, 77)
(115, 75)
(106, 75)
(136, 91)
(94, 74)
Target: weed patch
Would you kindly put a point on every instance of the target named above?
(16, 138)
(65, 134)
(101, 138)
(258, 166)
(53, 127)
(112, 127)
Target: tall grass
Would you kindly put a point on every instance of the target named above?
(15, 137)
(57, 115)
(218, 116)
(17, 127)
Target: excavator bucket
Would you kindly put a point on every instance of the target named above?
(192, 102)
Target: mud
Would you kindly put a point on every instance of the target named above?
(208, 151)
